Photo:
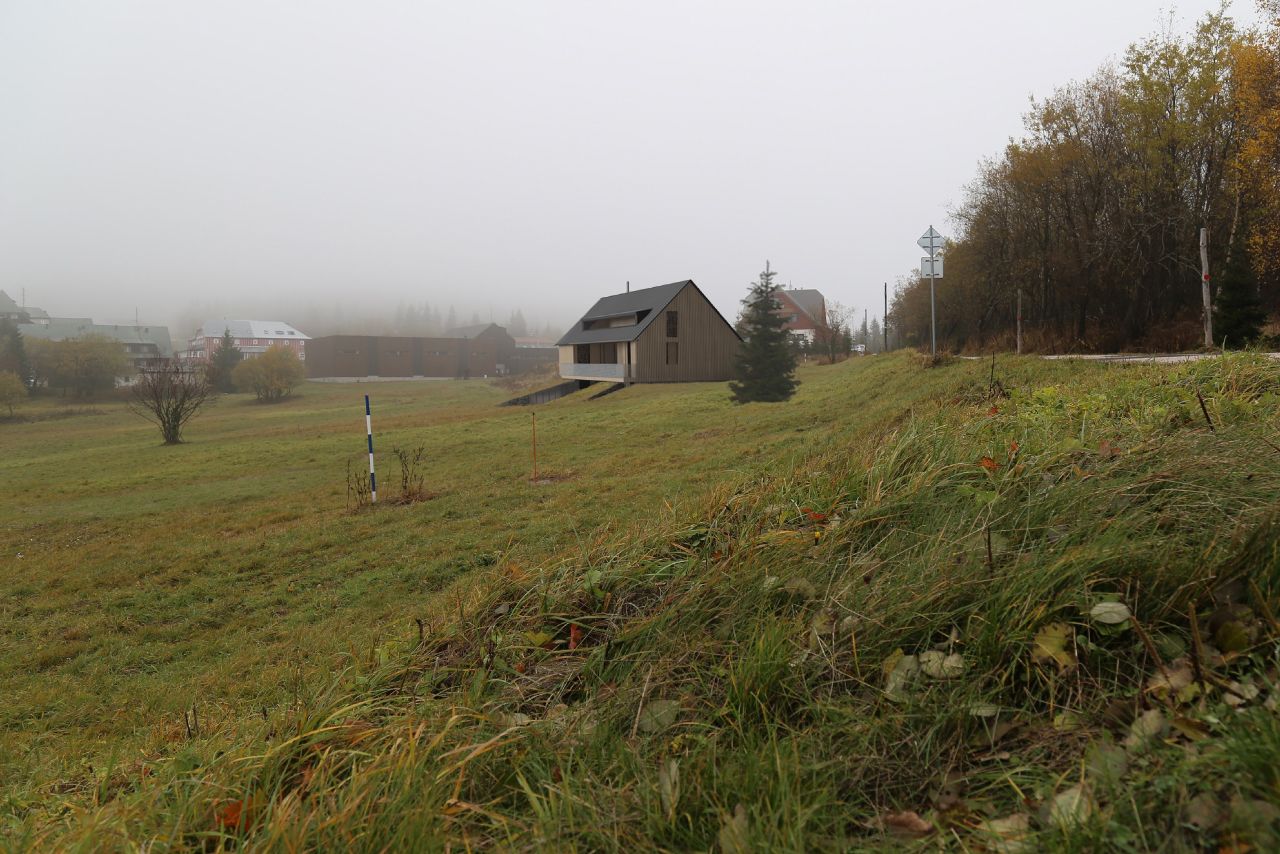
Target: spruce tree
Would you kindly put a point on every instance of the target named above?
(223, 362)
(1237, 312)
(13, 354)
(766, 363)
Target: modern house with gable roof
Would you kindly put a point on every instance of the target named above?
(668, 333)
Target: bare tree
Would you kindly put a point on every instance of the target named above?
(829, 337)
(170, 394)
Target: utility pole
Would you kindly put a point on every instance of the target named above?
(1018, 346)
(1204, 287)
(884, 319)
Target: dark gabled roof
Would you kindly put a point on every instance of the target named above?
(651, 301)
(809, 301)
(473, 331)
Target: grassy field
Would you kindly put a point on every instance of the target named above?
(141, 580)
(708, 629)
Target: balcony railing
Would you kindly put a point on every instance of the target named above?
(583, 371)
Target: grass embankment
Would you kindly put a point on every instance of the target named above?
(1040, 621)
(138, 582)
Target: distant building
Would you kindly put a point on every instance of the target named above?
(804, 311)
(668, 333)
(143, 345)
(10, 310)
(252, 338)
(485, 350)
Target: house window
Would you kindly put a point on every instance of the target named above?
(673, 353)
(673, 327)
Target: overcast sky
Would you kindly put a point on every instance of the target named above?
(160, 154)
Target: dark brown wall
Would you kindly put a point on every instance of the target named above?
(383, 356)
(392, 356)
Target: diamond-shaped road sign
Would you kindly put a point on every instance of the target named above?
(931, 241)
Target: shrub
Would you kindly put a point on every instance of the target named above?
(272, 376)
(12, 390)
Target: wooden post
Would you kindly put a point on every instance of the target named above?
(1204, 287)
(884, 320)
(1018, 348)
(535, 445)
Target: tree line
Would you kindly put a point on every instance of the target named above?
(1089, 224)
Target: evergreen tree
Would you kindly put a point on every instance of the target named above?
(13, 353)
(223, 362)
(876, 344)
(766, 363)
(1237, 312)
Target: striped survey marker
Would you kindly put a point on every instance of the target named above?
(368, 424)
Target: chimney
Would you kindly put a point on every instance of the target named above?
(628, 286)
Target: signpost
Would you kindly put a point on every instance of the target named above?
(932, 242)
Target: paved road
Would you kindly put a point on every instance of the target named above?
(1149, 358)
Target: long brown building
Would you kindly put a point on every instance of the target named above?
(665, 334)
(480, 351)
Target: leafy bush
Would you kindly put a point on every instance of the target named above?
(272, 376)
(12, 390)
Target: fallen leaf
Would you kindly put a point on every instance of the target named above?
(1110, 613)
(733, 836)
(669, 787)
(658, 715)
(1204, 812)
(1050, 644)
(1144, 731)
(1071, 808)
(1253, 819)
(951, 788)
(907, 823)
(904, 671)
(995, 410)
(1175, 681)
(541, 639)
(1008, 835)
(937, 665)
(510, 719)
(1190, 728)
(800, 588)
(237, 815)
(1105, 763)
(1239, 693)
(1067, 721)
(988, 464)
(575, 635)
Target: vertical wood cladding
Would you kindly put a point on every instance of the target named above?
(705, 344)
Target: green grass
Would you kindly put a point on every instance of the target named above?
(698, 618)
(140, 580)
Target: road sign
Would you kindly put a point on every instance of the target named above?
(931, 268)
(931, 241)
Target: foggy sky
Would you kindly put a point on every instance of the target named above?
(252, 155)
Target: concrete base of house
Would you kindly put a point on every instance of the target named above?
(382, 379)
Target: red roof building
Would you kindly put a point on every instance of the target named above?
(804, 309)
